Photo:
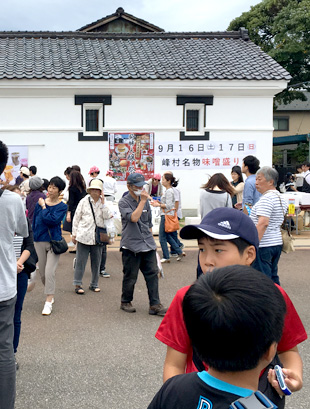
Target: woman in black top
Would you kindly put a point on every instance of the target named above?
(77, 190)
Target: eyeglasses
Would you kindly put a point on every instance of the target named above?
(154, 180)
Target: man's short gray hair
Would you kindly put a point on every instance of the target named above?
(269, 174)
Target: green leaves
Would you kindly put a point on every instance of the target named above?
(282, 29)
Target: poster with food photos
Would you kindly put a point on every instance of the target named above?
(18, 156)
(130, 153)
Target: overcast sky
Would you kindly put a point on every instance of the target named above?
(171, 15)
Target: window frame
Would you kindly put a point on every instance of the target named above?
(190, 102)
(283, 118)
(96, 107)
(93, 102)
(201, 118)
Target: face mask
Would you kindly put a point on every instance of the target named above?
(138, 192)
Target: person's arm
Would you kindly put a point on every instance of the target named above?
(239, 188)
(21, 224)
(261, 226)
(20, 262)
(292, 369)
(52, 218)
(175, 363)
(248, 193)
(136, 214)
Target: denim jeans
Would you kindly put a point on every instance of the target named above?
(174, 234)
(22, 284)
(103, 257)
(147, 263)
(267, 259)
(165, 238)
(7, 361)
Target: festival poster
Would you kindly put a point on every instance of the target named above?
(130, 153)
(18, 156)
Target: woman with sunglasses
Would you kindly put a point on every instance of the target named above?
(154, 187)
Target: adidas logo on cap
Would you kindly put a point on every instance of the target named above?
(225, 224)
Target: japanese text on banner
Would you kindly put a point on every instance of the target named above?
(202, 155)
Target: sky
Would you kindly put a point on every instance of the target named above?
(171, 15)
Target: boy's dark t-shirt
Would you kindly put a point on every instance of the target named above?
(195, 391)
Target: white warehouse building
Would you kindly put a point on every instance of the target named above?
(196, 102)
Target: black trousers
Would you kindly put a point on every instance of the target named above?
(147, 263)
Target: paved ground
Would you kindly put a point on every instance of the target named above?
(90, 354)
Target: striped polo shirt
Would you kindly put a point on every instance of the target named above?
(269, 205)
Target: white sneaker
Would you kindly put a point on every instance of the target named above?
(165, 260)
(31, 281)
(48, 306)
(180, 256)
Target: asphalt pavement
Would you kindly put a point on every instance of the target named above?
(90, 354)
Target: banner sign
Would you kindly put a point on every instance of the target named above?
(187, 155)
(130, 153)
(18, 156)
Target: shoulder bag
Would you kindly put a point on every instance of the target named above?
(171, 222)
(101, 236)
(58, 246)
(287, 238)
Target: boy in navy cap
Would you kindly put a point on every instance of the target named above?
(227, 237)
(138, 246)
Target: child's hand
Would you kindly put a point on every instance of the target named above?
(292, 380)
(20, 267)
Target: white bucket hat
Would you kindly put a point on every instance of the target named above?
(95, 184)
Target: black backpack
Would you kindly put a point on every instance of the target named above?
(255, 401)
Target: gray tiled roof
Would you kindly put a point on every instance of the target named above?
(75, 55)
(296, 105)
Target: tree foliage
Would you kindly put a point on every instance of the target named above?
(282, 29)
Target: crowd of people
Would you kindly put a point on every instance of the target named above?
(230, 328)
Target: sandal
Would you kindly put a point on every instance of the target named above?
(79, 290)
(94, 289)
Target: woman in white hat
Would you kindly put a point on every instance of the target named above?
(89, 209)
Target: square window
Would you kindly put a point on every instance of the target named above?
(281, 123)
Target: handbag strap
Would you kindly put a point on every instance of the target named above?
(278, 195)
(284, 225)
(92, 209)
(49, 233)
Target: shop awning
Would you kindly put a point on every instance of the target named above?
(288, 140)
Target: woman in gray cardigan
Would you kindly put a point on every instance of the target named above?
(217, 192)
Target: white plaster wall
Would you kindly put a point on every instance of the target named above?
(49, 125)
